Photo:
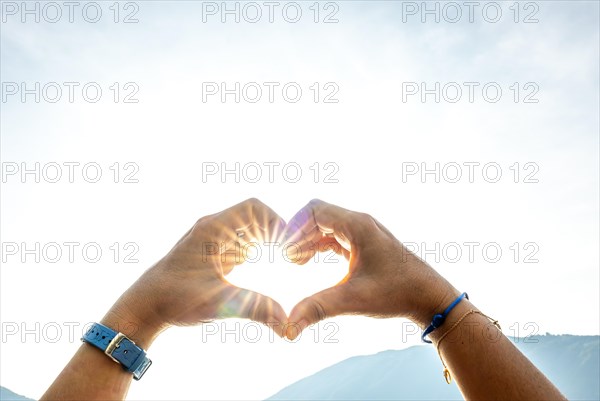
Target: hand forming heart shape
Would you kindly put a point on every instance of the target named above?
(188, 285)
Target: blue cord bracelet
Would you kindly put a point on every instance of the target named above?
(439, 319)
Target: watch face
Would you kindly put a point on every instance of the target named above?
(139, 372)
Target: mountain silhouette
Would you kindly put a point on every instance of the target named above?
(570, 362)
(7, 395)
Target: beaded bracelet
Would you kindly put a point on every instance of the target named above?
(440, 318)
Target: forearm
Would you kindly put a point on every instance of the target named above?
(485, 364)
(92, 375)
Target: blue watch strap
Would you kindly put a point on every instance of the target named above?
(119, 348)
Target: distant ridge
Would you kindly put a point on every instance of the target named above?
(415, 373)
(7, 395)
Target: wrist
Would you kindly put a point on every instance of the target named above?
(134, 324)
(455, 314)
(428, 292)
(434, 300)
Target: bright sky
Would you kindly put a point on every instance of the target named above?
(377, 53)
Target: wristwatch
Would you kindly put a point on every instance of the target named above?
(119, 348)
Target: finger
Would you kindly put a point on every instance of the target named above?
(264, 224)
(240, 302)
(229, 262)
(252, 219)
(328, 243)
(304, 249)
(318, 216)
(242, 223)
(330, 302)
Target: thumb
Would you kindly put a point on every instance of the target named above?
(240, 302)
(327, 303)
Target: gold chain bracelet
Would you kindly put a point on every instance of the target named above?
(446, 372)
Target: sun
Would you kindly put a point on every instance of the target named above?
(269, 271)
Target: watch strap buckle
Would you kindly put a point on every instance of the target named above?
(114, 344)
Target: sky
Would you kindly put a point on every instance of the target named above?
(473, 138)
